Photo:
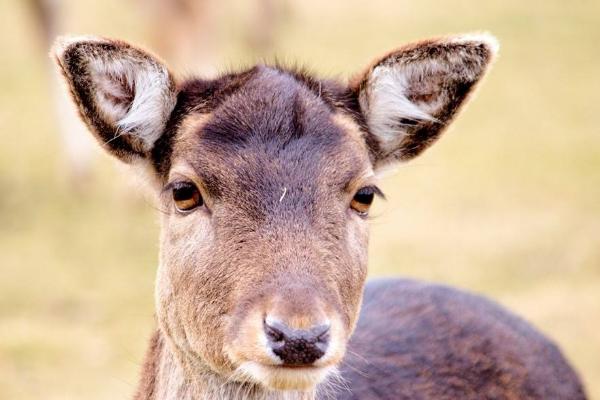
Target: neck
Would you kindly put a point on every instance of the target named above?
(166, 377)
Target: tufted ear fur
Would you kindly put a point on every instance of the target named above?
(124, 95)
(410, 95)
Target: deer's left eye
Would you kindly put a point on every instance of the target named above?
(363, 199)
(186, 196)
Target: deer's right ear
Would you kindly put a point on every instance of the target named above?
(124, 95)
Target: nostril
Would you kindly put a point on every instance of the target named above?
(273, 334)
(322, 333)
(297, 346)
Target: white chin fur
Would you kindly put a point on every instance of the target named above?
(282, 378)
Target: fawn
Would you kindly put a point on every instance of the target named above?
(265, 178)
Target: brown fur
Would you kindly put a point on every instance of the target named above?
(278, 157)
(451, 345)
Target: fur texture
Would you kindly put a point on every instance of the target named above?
(278, 158)
(409, 96)
(124, 94)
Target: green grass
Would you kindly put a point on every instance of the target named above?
(507, 204)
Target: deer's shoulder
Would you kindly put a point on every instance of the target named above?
(423, 340)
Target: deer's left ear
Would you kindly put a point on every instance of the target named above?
(124, 94)
(409, 96)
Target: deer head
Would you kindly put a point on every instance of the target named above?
(265, 178)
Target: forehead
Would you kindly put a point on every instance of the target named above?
(270, 130)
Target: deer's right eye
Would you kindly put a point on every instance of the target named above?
(186, 196)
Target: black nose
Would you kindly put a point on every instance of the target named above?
(297, 347)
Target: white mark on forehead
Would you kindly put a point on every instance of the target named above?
(283, 194)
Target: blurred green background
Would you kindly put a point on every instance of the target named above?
(506, 204)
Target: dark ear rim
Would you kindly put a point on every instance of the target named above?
(422, 136)
(72, 55)
(486, 39)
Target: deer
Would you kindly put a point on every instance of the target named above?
(264, 178)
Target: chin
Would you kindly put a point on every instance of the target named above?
(275, 377)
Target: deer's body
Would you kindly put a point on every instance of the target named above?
(264, 179)
(422, 341)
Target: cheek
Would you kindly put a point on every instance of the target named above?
(357, 239)
(185, 244)
(188, 282)
(185, 239)
(353, 279)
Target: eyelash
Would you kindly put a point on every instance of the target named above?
(363, 199)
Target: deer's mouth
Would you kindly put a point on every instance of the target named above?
(279, 377)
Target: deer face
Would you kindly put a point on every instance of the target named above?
(264, 236)
(265, 178)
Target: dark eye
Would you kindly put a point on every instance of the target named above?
(186, 196)
(363, 199)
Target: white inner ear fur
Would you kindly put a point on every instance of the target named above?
(387, 103)
(386, 100)
(135, 95)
